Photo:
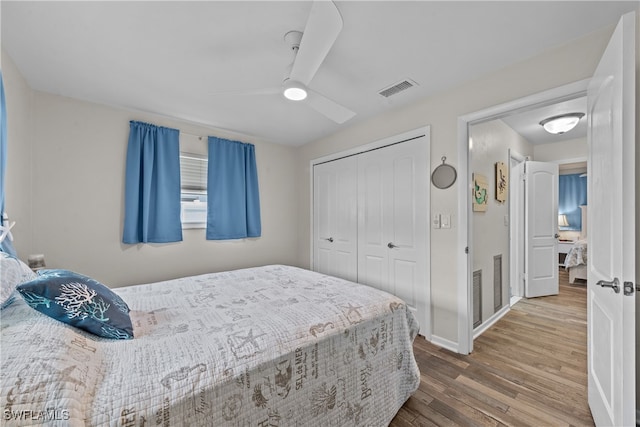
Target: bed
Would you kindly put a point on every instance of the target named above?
(266, 346)
(576, 261)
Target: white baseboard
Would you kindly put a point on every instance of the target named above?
(453, 346)
(490, 321)
(445, 343)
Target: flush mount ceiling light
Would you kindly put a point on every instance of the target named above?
(562, 123)
(294, 90)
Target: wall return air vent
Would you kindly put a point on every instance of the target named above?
(397, 88)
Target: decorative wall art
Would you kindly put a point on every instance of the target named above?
(444, 175)
(480, 192)
(502, 182)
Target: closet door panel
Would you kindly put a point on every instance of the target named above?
(373, 272)
(323, 182)
(322, 262)
(409, 221)
(371, 220)
(403, 203)
(335, 218)
(371, 189)
(393, 185)
(403, 280)
(372, 217)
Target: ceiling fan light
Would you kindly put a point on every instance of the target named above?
(560, 124)
(294, 91)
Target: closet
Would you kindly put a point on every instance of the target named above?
(371, 220)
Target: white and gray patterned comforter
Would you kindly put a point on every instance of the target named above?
(577, 255)
(268, 346)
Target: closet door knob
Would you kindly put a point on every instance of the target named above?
(330, 239)
(391, 245)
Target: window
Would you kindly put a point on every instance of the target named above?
(193, 190)
(572, 193)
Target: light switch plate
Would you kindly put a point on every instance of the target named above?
(445, 221)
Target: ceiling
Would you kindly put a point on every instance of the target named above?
(185, 59)
(527, 123)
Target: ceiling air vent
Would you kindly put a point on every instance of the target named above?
(398, 87)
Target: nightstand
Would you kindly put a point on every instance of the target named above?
(564, 246)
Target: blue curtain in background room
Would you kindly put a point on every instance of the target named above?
(152, 185)
(572, 194)
(233, 210)
(5, 245)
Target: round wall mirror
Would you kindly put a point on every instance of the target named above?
(444, 175)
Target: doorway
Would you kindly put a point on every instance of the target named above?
(466, 148)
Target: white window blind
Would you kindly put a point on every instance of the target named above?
(193, 172)
(193, 183)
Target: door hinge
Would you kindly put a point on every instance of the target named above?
(629, 288)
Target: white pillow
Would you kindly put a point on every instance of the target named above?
(13, 272)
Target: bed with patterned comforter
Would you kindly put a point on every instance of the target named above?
(267, 346)
(576, 261)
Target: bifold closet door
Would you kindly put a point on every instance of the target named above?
(335, 218)
(393, 220)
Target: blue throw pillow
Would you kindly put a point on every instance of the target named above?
(79, 301)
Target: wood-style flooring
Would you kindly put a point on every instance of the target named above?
(529, 369)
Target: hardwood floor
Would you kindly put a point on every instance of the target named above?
(529, 369)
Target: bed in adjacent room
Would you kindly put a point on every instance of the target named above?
(576, 261)
(273, 345)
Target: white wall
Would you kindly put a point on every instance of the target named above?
(559, 151)
(569, 63)
(65, 186)
(491, 143)
(19, 100)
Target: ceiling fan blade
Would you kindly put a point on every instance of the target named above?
(328, 108)
(249, 92)
(322, 29)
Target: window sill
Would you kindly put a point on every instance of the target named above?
(190, 225)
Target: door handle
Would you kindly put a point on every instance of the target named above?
(615, 284)
(330, 239)
(391, 245)
(557, 235)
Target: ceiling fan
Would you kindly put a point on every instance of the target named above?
(310, 49)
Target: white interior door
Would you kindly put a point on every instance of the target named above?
(335, 218)
(541, 228)
(611, 233)
(393, 222)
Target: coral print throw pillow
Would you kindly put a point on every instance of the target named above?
(79, 301)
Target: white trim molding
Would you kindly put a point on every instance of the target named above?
(491, 321)
(445, 343)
